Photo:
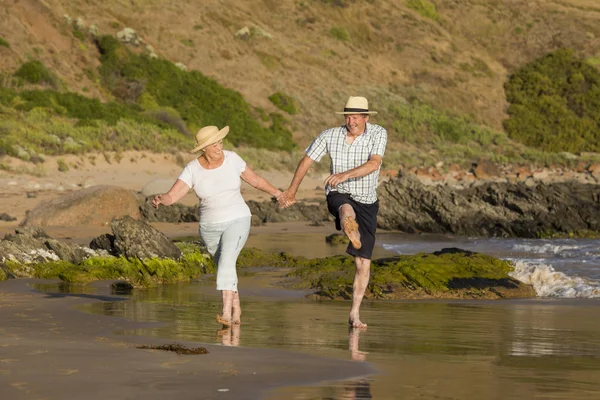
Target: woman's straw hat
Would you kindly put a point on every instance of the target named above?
(207, 136)
(356, 105)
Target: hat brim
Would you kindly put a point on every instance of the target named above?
(222, 133)
(356, 112)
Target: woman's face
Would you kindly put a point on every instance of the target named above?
(214, 150)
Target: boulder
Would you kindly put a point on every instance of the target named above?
(157, 186)
(96, 205)
(137, 239)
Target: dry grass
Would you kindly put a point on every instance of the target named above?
(457, 61)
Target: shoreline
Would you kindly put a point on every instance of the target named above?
(88, 361)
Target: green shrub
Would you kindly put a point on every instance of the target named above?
(420, 124)
(62, 165)
(284, 102)
(4, 43)
(35, 72)
(198, 99)
(424, 7)
(555, 104)
(339, 33)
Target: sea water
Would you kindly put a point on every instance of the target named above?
(542, 348)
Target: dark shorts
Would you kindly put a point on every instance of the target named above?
(366, 217)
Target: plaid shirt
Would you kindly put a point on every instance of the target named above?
(346, 156)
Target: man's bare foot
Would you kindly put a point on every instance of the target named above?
(350, 228)
(354, 321)
(223, 321)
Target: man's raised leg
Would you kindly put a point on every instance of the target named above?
(361, 280)
(349, 225)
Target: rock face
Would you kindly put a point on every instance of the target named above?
(96, 205)
(262, 212)
(489, 209)
(32, 245)
(137, 239)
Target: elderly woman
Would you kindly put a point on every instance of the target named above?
(224, 216)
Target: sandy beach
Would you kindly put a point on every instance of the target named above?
(51, 350)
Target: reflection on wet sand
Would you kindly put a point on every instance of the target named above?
(356, 389)
(421, 349)
(230, 336)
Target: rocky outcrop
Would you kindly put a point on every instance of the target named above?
(96, 205)
(33, 245)
(262, 212)
(137, 239)
(490, 208)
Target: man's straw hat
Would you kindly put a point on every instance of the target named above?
(356, 105)
(209, 135)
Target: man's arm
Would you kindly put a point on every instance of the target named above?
(289, 196)
(362, 170)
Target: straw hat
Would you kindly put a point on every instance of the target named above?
(209, 135)
(356, 105)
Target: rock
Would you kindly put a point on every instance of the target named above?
(499, 209)
(32, 244)
(67, 251)
(96, 205)
(157, 186)
(6, 217)
(104, 242)
(137, 239)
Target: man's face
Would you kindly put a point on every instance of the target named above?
(356, 123)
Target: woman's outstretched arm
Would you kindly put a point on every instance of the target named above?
(176, 193)
(260, 183)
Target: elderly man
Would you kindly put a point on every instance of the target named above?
(356, 150)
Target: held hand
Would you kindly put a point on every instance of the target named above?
(286, 199)
(336, 179)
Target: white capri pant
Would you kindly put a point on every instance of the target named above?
(224, 241)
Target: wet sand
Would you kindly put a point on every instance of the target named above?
(50, 350)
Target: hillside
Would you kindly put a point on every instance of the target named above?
(452, 55)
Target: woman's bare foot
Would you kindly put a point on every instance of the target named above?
(350, 228)
(223, 321)
(236, 316)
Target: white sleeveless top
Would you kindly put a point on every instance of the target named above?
(218, 189)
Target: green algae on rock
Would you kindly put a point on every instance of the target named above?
(450, 273)
(139, 272)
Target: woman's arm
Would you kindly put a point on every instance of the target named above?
(176, 193)
(258, 182)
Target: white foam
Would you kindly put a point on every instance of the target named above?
(546, 248)
(548, 282)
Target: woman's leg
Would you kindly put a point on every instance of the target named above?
(233, 240)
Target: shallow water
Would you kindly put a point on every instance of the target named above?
(544, 348)
(422, 349)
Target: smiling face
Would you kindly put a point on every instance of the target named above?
(356, 123)
(213, 151)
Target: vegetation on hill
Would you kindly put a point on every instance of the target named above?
(555, 104)
(199, 100)
(435, 71)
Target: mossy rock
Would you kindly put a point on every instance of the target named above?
(139, 273)
(450, 273)
(337, 238)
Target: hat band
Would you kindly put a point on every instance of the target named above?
(357, 110)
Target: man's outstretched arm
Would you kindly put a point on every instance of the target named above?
(289, 196)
